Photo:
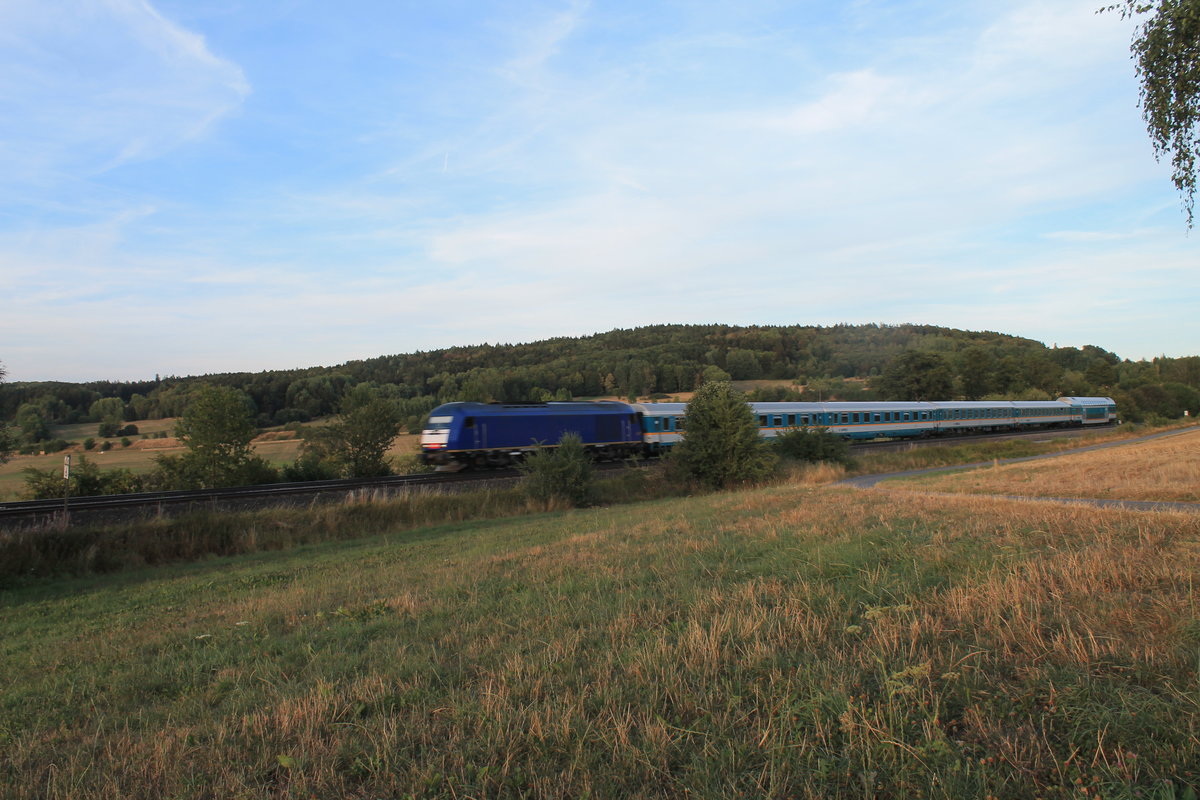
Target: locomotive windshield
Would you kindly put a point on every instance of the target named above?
(438, 423)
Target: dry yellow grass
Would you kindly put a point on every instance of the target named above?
(1166, 469)
(781, 642)
(277, 447)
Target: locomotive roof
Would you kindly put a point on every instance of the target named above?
(521, 409)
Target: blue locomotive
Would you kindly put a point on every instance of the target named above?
(496, 434)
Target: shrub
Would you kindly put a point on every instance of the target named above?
(309, 467)
(721, 445)
(105, 447)
(89, 443)
(87, 480)
(564, 472)
(813, 445)
(107, 429)
(125, 442)
(128, 430)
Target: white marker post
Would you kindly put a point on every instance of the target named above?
(66, 489)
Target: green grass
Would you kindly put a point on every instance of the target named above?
(781, 642)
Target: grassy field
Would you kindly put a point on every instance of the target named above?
(1166, 469)
(790, 641)
(277, 447)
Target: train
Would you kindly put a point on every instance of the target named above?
(499, 434)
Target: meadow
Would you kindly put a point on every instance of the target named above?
(278, 447)
(1165, 469)
(795, 640)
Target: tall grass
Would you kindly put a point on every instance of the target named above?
(922, 457)
(1165, 469)
(37, 553)
(780, 642)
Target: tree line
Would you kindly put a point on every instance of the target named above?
(847, 362)
(842, 362)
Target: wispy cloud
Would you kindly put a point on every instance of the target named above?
(90, 85)
(429, 179)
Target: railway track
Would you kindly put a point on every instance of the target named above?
(113, 508)
(119, 508)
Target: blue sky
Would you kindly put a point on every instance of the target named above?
(192, 186)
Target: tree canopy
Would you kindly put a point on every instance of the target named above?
(355, 446)
(217, 429)
(917, 376)
(1166, 49)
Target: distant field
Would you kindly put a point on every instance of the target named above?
(1165, 469)
(139, 456)
(777, 642)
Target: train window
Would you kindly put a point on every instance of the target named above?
(778, 421)
(469, 422)
(878, 417)
(845, 419)
(804, 420)
(762, 422)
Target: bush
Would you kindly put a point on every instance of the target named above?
(87, 480)
(107, 430)
(813, 445)
(564, 472)
(105, 447)
(89, 443)
(721, 445)
(125, 442)
(128, 430)
(309, 467)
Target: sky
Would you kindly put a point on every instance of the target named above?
(199, 186)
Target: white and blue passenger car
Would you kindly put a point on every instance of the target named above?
(662, 423)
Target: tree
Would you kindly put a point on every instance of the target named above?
(32, 421)
(1167, 51)
(1101, 373)
(216, 428)
(916, 375)
(356, 445)
(107, 409)
(975, 372)
(721, 445)
(6, 439)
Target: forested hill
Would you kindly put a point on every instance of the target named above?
(663, 360)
